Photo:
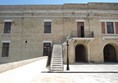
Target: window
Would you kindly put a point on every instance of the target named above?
(110, 27)
(7, 27)
(5, 49)
(47, 27)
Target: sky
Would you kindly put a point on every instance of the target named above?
(36, 2)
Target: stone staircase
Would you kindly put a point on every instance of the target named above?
(56, 59)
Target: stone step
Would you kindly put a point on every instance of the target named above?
(57, 57)
(57, 65)
(56, 60)
(57, 68)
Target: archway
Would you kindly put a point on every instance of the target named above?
(109, 53)
(80, 53)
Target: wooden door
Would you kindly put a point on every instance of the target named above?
(46, 49)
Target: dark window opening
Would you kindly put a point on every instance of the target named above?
(5, 50)
(47, 27)
(110, 27)
(82, 31)
(7, 27)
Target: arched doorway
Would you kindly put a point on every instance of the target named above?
(109, 53)
(80, 54)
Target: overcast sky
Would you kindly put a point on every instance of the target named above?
(26, 2)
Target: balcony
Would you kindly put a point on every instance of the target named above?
(86, 36)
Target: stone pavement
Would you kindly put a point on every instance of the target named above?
(82, 73)
(76, 78)
(78, 73)
(85, 67)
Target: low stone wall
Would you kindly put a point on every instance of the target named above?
(9, 66)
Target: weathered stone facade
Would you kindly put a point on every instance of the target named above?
(27, 30)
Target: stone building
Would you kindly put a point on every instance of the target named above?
(29, 31)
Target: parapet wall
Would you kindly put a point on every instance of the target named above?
(9, 66)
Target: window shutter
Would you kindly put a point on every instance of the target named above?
(116, 25)
(103, 27)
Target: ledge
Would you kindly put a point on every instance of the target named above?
(82, 38)
(110, 36)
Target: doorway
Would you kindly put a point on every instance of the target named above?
(80, 53)
(47, 49)
(109, 53)
(80, 29)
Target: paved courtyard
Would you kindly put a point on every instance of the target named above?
(78, 73)
(82, 73)
(76, 78)
(85, 67)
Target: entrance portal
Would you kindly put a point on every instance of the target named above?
(109, 53)
(80, 54)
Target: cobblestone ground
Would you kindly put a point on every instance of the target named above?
(76, 78)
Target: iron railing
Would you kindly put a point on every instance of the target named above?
(87, 34)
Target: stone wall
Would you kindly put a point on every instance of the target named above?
(27, 32)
